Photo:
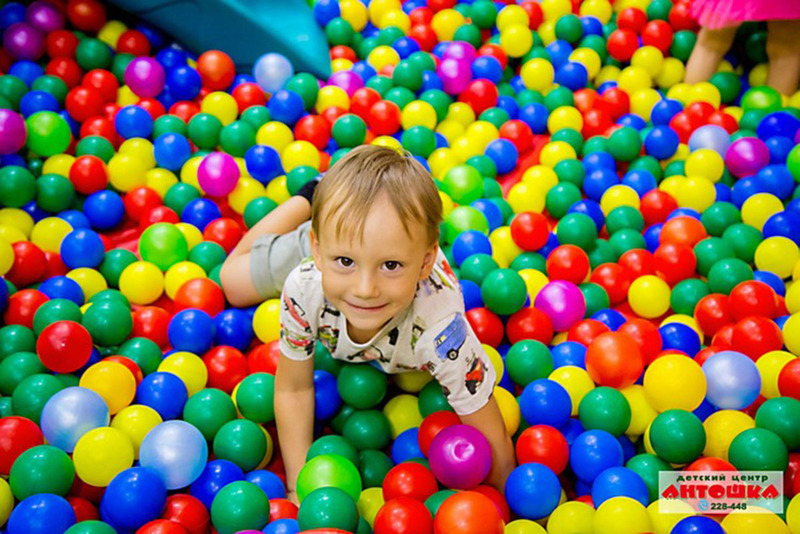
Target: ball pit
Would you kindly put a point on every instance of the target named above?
(627, 247)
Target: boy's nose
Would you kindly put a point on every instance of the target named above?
(366, 288)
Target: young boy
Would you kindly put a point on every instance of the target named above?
(378, 290)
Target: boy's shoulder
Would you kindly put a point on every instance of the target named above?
(439, 295)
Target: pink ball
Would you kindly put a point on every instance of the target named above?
(461, 51)
(145, 77)
(746, 156)
(218, 174)
(12, 131)
(347, 80)
(562, 302)
(460, 457)
(455, 75)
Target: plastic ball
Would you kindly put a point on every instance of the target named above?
(746, 156)
(468, 512)
(733, 380)
(101, 454)
(64, 346)
(674, 381)
(177, 451)
(460, 457)
(113, 382)
(69, 414)
(533, 491)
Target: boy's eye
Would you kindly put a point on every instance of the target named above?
(392, 265)
(344, 261)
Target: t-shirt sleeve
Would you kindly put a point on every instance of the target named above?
(452, 353)
(298, 330)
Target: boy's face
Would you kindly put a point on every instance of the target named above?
(373, 280)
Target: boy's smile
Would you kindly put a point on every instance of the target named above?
(373, 279)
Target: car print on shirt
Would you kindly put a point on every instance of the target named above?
(296, 312)
(450, 340)
(475, 375)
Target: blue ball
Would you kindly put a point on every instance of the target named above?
(662, 142)
(263, 163)
(171, 58)
(598, 182)
(619, 482)
(509, 105)
(471, 293)
(572, 75)
(779, 148)
(503, 153)
(133, 498)
(326, 395)
(640, 180)
(288, 526)
(723, 192)
(652, 237)
(487, 67)
(191, 330)
(365, 70)
(43, 513)
(533, 491)
(569, 353)
(771, 279)
(559, 51)
(611, 318)
(233, 328)
(286, 106)
(430, 80)
(76, 219)
(133, 121)
(592, 26)
(678, 336)
(12, 13)
(745, 188)
(571, 430)
(182, 81)
(172, 150)
(684, 212)
(784, 223)
(325, 11)
(406, 446)
(216, 475)
(593, 452)
(778, 180)
(163, 392)
(733, 379)
(599, 160)
(664, 110)
(697, 524)
(61, 287)
(545, 402)
(491, 211)
(35, 101)
(552, 242)
(705, 409)
(82, 248)
(628, 448)
(778, 123)
(405, 46)
(200, 212)
(590, 208)
(269, 482)
(535, 115)
(104, 209)
(633, 121)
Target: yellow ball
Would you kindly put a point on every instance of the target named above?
(402, 411)
(721, 428)
(617, 196)
(524, 526)
(792, 514)
(139, 148)
(126, 97)
(510, 15)
(6, 256)
(791, 334)
(576, 381)
(464, 148)
(750, 522)
(412, 381)
(447, 204)
(554, 9)
(136, 421)
(649, 296)
(446, 22)
(509, 408)
(706, 92)
(395, 19)
(266, 321)
(418, 113)
(247, 190)
(461, 112)
(503, 245)
(516, 40)
(697, 193)
(589, 58)
(180, 273)
(111, 32)
(192, 234)
(126, 172)
(277, 190)
(222, 105)
(648, 58)
(450, 129)
(101, 454)
(664, 514)
(684, 320)
(534, 281)
(571, 518)
(90, 280)
(760, 207)
(189, 173)
(672, 185)
(383, 55)
(777, 254)
(11, 234)
(369, 503)
(141, 282)
(300, 153)
(389, 142)
(672, 72)
(379, 8)
(642, 414)
(793, 294)
(547, 32)
(160, 180)
(354, 12)
(113, 382)
(758, 75)
(609, 73)
(278, 135)
(189, 367)
(542, 177)
(482, 132)
(643, 101)
(564, 117)
(633, 79)
(621, 515)
(674, 382)
(339, 64)
(48, 233)
(770, 366)
(525, 197)
(442, 160)
(705, 162)
(600, 9)
(58, 164)
(6, 501)
(555, 152)
(17, 218)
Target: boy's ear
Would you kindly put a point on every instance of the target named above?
(315, 252)
(429, 261)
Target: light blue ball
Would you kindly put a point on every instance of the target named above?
(272, 71)
(177, 451)
(71, 413)
(733, 379)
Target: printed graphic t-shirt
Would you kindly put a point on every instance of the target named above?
(431, 335)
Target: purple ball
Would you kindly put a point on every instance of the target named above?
(562, 302)
(746, 156)
(347, 80)
(218, 174)
(460, 457)
(455, 75)
(12, 131)
(44, 17)
(23, 41)
(145, 77)
(460, 50)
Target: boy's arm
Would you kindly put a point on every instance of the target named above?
(237, 281)
(490, 422)
(294, 415)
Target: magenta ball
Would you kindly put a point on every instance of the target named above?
(218, 174)
(455, 75)
(145, 77)
(347, 80)
(460, 50)
(12, 131)
(460, 457)
(563, 302)
(44, 16)
(746, 156)
(23, 41)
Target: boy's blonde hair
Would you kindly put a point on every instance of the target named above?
(348, 190)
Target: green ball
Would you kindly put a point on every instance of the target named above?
(204, 130)
(168, 124)
(677, 436)
(323, 361)
(94, 145)
(110, 323)
(237, 137)
(744, 239)
(54, 193)
(758, 449)
(432, 399)
(114, 262)
(339, 32)
(781, 415)
(163, 245)
(256, 209)
(483, 14)
(495, 116)
(477, 267)
(419, 140)
(48, 135)
(503, 291)
(239, 506)
(595, 296)
(709, 251)
(16, 338)
(686, 294)
(727, 273)
(400, 96)
(463, 183)
(659, 10)
(338, 421)
(306, 86)
(389, 35)
(300, 176)
(254, 397)
(624, 217)
(362, 386)
(464, 218)
(530, 260)
(144, 352)
(242, 442)
(492, 189)
(577, 229)
(484, 165)
(333, 444)
(625, 144)
(528, 360)
(207, 254)
(373, 466)
(561, 197)
(17, 186)
(32, 393)
(55, 310)
(605, 408)
(258, 116)
(17, 367)
(407, 74)
(529, 96)
(367, 429)
(627, 239)
(648, 466)
(719, 216)
(41, 469)
(569, 28)
(571, 171)
(329, 470)
(424, 61)
(433, 502)
(603, 252)
(762, 98)
(93, 54)
(329, 508)
(728, 84)
(469, 33)
(208, 410)
(682, 44)
(594, 144)
(558, 97)
(12, 88)
(119, 64)
(793, 163)
(647, 163)
(90, 527)
(349, 130)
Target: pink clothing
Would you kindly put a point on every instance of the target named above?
(716, 14)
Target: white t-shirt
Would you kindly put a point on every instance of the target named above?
(431, 335)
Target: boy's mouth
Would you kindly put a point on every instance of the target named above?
(366, 308)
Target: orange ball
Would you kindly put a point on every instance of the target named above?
(468, 512)
(614, 359)
(684, 230)
(216, 69)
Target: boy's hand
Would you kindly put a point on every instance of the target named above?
(292, 496)
(489, 421)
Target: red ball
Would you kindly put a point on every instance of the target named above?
(615, 102)
(595, 122)
(545, 445)
(519, 133)
(468, 512)
(17, 435)
(29, 264)
(161, 526)
(420, 15)
(614, 359)
(88, 174)
(791, 483)
(140, 201)
(530, 323)
(438, 5)
(332, 113)
(585, 331)
(202, 294)
(282, 509)
(61, 43)
(223, 231)
(83, 508)
(403, 516)
(84, 102)
(248, 94)
(752, 298)
(216, 69)
(54, 266)
(409, 479)
(432, 425)
(226, 368)
(535, 13)
(86, 15)
(700, 112)
(684, 124)
(710, 463)
(683, 230)
(187, 511)
(638, 262)
(568, 262)
(158, 214)
(585, 100)
(424, 35)
(486, 325)
(480, 95)
(64, 346)
(264, 358)
(104, 81)
(789, 379)
(632, 19)
(344, 52)
(184, 110)
(705, 354)
(720, 118)
(101, 126)
(498, 500)
(622, 44)
(658, 33)
(530, 230)
(646, 335)
(152, 106)
(384, 118)
(615, 279)
(65, 68)
(675, 262)
(656, 206)
(314, 129)
(362, 101)
(723, 338)
(495, 51)
(755, 336)
(680, 17)
(151, 322)
(133, 42)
